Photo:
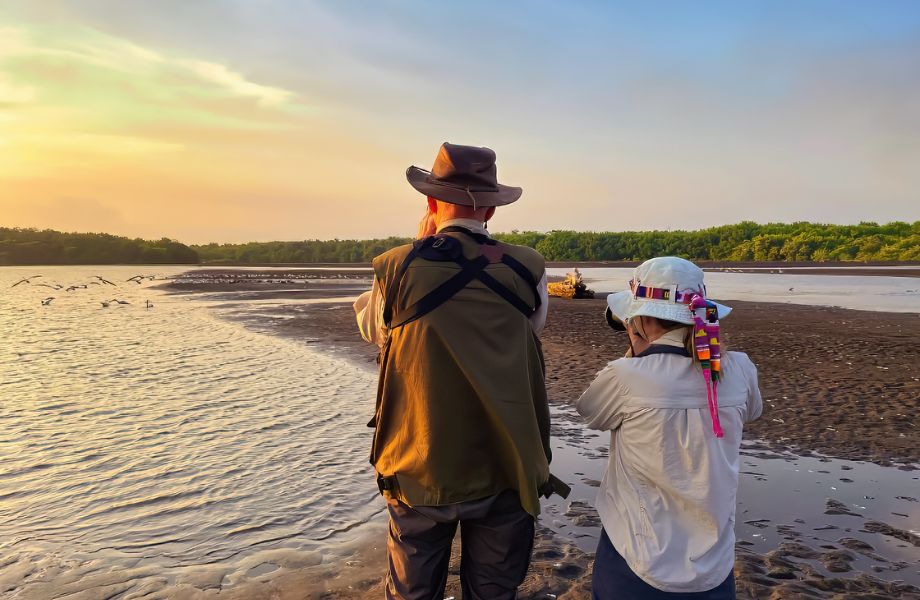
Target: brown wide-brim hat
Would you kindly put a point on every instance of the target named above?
(463, 175)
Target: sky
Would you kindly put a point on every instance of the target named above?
(256, 120)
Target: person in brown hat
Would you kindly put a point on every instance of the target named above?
(462, 421)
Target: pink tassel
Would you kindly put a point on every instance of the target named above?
(709, 357)
(712, 396)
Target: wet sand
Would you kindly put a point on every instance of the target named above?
(838, 382)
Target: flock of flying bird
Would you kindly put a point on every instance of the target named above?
(82, 286)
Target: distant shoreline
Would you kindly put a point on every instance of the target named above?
(877, 269)
(871, 268)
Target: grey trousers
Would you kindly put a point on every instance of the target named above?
(496, 535)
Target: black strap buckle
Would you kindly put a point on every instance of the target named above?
(386, 484)
(554, 485)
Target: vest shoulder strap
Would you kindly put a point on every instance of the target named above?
(444, 248)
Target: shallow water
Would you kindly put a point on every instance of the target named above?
(144, 451)
(166, 445)
(860, 292)
(781, 497)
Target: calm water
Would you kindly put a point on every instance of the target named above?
(165, 445)
(149, 450)
(781, 497)
(885, 294)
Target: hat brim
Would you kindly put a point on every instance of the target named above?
(422, 181)
(624, 306)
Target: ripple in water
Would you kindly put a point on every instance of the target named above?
(145, 449)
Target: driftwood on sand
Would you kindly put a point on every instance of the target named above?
(571, 287)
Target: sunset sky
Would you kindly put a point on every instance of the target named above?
(237, 120)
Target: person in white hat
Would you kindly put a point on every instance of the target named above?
(675, 407)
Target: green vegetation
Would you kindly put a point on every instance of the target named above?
(308, 251)
(746, 241)
(47, 247)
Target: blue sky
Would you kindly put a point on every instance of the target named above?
(611, 116)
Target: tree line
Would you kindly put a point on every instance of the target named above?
(745, 241)
(49, 247)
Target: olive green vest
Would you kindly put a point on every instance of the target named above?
(461, 412)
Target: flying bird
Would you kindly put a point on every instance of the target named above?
(103, 280)
(76, 287)
(137, 278)
(119, 301)
(47, 300)
(56, 286)
(25, 280)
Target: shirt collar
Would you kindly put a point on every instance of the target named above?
(471, 224)
(675, 337)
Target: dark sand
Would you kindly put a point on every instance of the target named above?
(839, 382)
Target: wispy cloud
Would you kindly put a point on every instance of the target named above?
(67, 90)
(236, 84)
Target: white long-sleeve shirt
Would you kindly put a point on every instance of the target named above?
(369, 305)
(667, 499)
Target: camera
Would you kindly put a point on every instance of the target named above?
(613, 321)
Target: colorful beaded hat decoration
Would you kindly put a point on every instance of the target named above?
(706, 346)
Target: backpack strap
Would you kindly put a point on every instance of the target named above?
(512, 298)
(443, 248)
(470, 270)
(394, 286)
(525, 274)
(483, 240)
(510, 262)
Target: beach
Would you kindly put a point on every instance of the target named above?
(203, 435)
(837, 384)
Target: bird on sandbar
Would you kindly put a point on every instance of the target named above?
(47, 300)
(105, 304)
(149, 304)
(25, 280)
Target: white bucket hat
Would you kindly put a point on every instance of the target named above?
(662, 287)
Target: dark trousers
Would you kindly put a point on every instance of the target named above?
(612, 579)
(496, 536)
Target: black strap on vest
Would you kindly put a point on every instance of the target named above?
(470, 270)
(554, 485)
(386, 484)
(482, 239)
(662, 349)
(443, 248)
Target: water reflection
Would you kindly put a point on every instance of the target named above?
(164, 445)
